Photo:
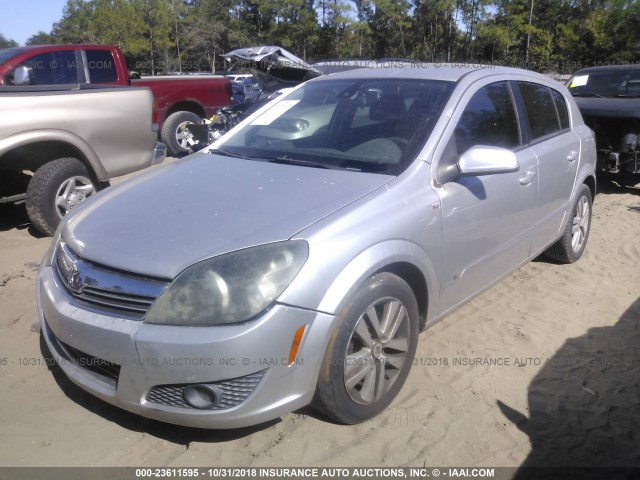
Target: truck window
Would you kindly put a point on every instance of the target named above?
(102, 67)
(53, 68)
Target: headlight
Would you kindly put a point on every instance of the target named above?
(230, 288)
(47, 260)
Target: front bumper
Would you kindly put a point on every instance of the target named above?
(143, 367)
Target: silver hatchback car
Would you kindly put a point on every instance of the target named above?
(297, 259)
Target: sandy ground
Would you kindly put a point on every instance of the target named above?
(566, 389)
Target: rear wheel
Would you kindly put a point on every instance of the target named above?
(576, 232)
(175, 133)
(370, 353)
(54, 190)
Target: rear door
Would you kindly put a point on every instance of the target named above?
(557, 148)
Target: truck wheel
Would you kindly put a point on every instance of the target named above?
(370, 352)
(576, 231)
(175, 134)
(56, 188)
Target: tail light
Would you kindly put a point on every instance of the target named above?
(228, 89)
(154, 115)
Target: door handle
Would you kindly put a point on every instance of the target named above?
(528, 177)
(572, 155)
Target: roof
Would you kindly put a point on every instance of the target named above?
(69, 46)
(608, 68)
(437, 71)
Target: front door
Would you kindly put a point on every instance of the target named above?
(488, 220)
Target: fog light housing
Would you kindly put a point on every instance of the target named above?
(202, 397)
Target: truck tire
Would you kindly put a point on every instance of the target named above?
(56, 188)
(175, 134)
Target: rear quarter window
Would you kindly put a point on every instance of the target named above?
(101, 66)
(561, 107)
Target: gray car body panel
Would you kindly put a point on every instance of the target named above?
(205, 206)
(459, 237)
(110, 127)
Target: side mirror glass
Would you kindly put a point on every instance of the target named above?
(484, 160)
(22, 76)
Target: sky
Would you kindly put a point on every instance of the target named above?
(20, 19)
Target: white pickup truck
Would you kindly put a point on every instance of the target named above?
(59, 145)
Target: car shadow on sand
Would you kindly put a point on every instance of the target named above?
(584, 406)
(176, 434)
(14, 216)
(612, 185)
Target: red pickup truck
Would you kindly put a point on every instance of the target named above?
(178, 100)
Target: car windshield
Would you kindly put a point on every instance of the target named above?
(608, 83)
(9, 53)
(368, 125)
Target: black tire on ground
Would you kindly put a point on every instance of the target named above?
(370, 351)
(629, 179)
(55, 188)
(576, 231)
(175, 135)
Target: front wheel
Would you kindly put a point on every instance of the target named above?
(54, 190)
(576, 231)
(370, 352)
(176, 135)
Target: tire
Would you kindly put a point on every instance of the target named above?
(362, 371)
(175, 134)
(56, 188)
(576, 231)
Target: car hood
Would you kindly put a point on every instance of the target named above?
(161, 222)
(609, 107)
(273, 67)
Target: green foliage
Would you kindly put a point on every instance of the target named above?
(160, 36)
(40, 38)
(77, 24)
(7, 43)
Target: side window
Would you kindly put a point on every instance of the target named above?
(561, 106)
(541, 111)
(488, 119)
(102, 67)
(53, 68)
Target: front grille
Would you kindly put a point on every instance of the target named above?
(104, 289)
(91, 363)
(235, 391)
(94, 364)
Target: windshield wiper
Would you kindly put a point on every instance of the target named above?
(296, 161)
(227, 153)
(587, 94)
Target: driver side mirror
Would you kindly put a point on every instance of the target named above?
(485, 160)
(22, 76)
